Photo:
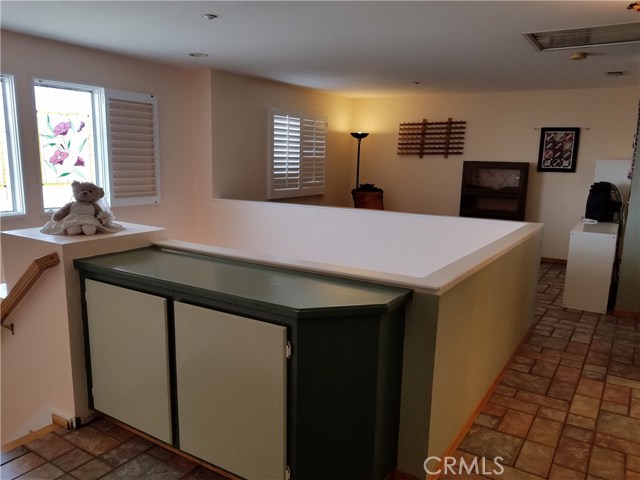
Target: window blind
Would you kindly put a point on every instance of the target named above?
(133, 148)
(298, 153)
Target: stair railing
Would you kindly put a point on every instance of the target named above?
(24, 284)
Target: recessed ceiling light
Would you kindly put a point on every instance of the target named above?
(198, 55)
(209, 16)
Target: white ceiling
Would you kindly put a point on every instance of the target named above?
(355, 48)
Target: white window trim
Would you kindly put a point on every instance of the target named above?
(301, 189)
(99, 140)
(13, 147)
(102, 138)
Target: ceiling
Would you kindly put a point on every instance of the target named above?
(354, 48)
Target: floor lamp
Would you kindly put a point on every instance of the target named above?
(368, 195)
(359, 136)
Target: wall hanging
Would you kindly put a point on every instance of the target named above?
(431, 138)
(558, 149)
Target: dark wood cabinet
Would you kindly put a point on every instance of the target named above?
(495, 190)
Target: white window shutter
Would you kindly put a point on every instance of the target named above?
(297, 157)
(132, 130)
(285, 174)
(313, 154)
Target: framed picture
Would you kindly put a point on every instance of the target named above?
(558, 149)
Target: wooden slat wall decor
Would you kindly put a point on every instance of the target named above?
(431, 138)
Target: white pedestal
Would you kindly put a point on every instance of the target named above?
(592, 250)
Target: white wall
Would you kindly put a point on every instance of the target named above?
(43, 364)
(184, 114)
(500, 127)
(394, 246)
(213, 138)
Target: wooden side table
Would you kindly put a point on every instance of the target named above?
(372, 199)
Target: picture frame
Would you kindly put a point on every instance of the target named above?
(558, 149)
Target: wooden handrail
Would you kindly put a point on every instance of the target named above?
(24, 284)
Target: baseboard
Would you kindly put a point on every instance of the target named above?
(557, 261)
(67, 424)
(30, 437)
(625, 313)
(56, 422)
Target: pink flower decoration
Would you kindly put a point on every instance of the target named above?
(79, 162)
(58, 157)
(62, 128)
(81, 127)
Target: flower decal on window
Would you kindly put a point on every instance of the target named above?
(62, 140)
(62, 128)
(58, 157)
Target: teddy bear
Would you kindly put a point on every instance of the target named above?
(84, 215)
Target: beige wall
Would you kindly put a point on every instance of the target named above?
(500, 127)
(240, 107)
(182, 106)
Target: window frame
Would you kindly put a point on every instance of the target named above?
(103, 138)
(99, 129)
(303, 189)
(7, 83)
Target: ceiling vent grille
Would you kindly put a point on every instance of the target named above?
(585, 37)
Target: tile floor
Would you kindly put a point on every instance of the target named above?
(568, 408)
(99, 450)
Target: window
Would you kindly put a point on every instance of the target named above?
(11, 191)
(297, 157)
(87, 133)
(69, 123)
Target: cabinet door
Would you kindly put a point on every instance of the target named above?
(231, 381)
(129, 360)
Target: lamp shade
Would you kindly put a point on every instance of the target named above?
(359, 135)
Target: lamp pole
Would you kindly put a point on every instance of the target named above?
(359, 136)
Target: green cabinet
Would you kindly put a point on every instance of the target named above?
(271, 372)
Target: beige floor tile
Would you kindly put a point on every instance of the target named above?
(535, 458)
(516, 423)
(606, 464)
(544, 431)
(585, 406)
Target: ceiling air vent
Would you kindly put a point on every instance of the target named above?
(585, 37)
